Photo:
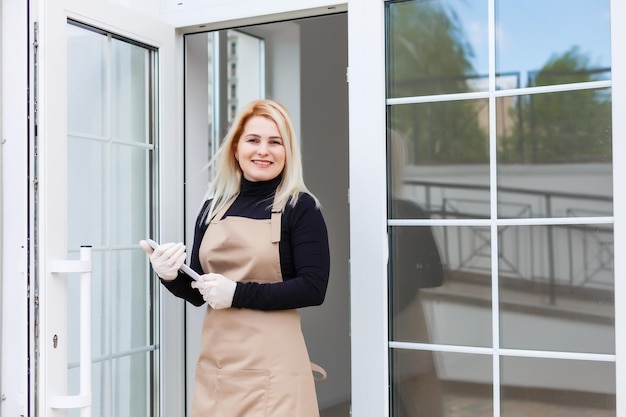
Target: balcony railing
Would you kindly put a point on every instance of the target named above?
(565, 257)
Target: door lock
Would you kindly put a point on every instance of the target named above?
(55, 341)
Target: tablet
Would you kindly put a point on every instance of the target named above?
(193, 274)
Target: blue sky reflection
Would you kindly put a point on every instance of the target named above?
(530, 32)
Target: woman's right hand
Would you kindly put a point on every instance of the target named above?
(166, 259)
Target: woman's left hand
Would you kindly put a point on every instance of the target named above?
(216, 289)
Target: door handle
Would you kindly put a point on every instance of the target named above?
(84, 266)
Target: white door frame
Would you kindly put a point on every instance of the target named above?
(367, 174)
(368, 208)
(368, 245)
(49, 241)
(14, 149)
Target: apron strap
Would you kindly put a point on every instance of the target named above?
(218, 216)
(275, 225)
(316, 368)
(275, 221)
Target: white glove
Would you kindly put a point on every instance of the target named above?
(167, 259)
(216, 289)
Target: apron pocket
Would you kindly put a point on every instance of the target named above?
(242, 393)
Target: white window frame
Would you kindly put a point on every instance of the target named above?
(618, 84)
(368, 208)
(618, 75)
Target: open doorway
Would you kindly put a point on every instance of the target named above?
(301, 63)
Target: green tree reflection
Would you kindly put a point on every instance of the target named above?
(572, 126)
(428, 54)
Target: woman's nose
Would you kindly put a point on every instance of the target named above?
(262, 149)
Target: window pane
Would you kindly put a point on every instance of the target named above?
(245, 78)
(439, 158)
(87, 79)
(553, 387)
(435, 384)
(131, 324)
(557, 288)
(440, 285)
(130, 194)
(553, 42)
(109, 199)
(130, 397)
(436, 47)
(86, 178)
(130, 93)
(555, 155)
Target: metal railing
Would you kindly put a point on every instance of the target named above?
(572, 256)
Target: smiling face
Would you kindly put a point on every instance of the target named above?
(260, 150)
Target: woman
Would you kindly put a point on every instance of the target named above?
(261, 246)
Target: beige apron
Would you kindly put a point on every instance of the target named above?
(252, 363)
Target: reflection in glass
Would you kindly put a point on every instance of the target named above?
(129, 398)
(86, 184)
(129, 202)
(557, 387)
(568, 41)
(87, 79)
(439, 157)
(246, 79)
(557, 288)
(436, 47)
(555, 155)
(130, 312)
(434, 384)
(224, 69)
(440, 285)
(130, 106)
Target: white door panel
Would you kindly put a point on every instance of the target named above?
(94, 170)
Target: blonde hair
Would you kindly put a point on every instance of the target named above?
(227, 179)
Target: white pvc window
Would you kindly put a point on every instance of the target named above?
(500, 207)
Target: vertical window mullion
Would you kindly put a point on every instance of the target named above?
(493, 193)
(618, 76)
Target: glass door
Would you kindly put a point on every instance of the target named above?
(488, 166)
(111, 194)
(499, 209)
(100, 91)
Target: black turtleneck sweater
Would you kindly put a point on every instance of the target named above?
(303, 249)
